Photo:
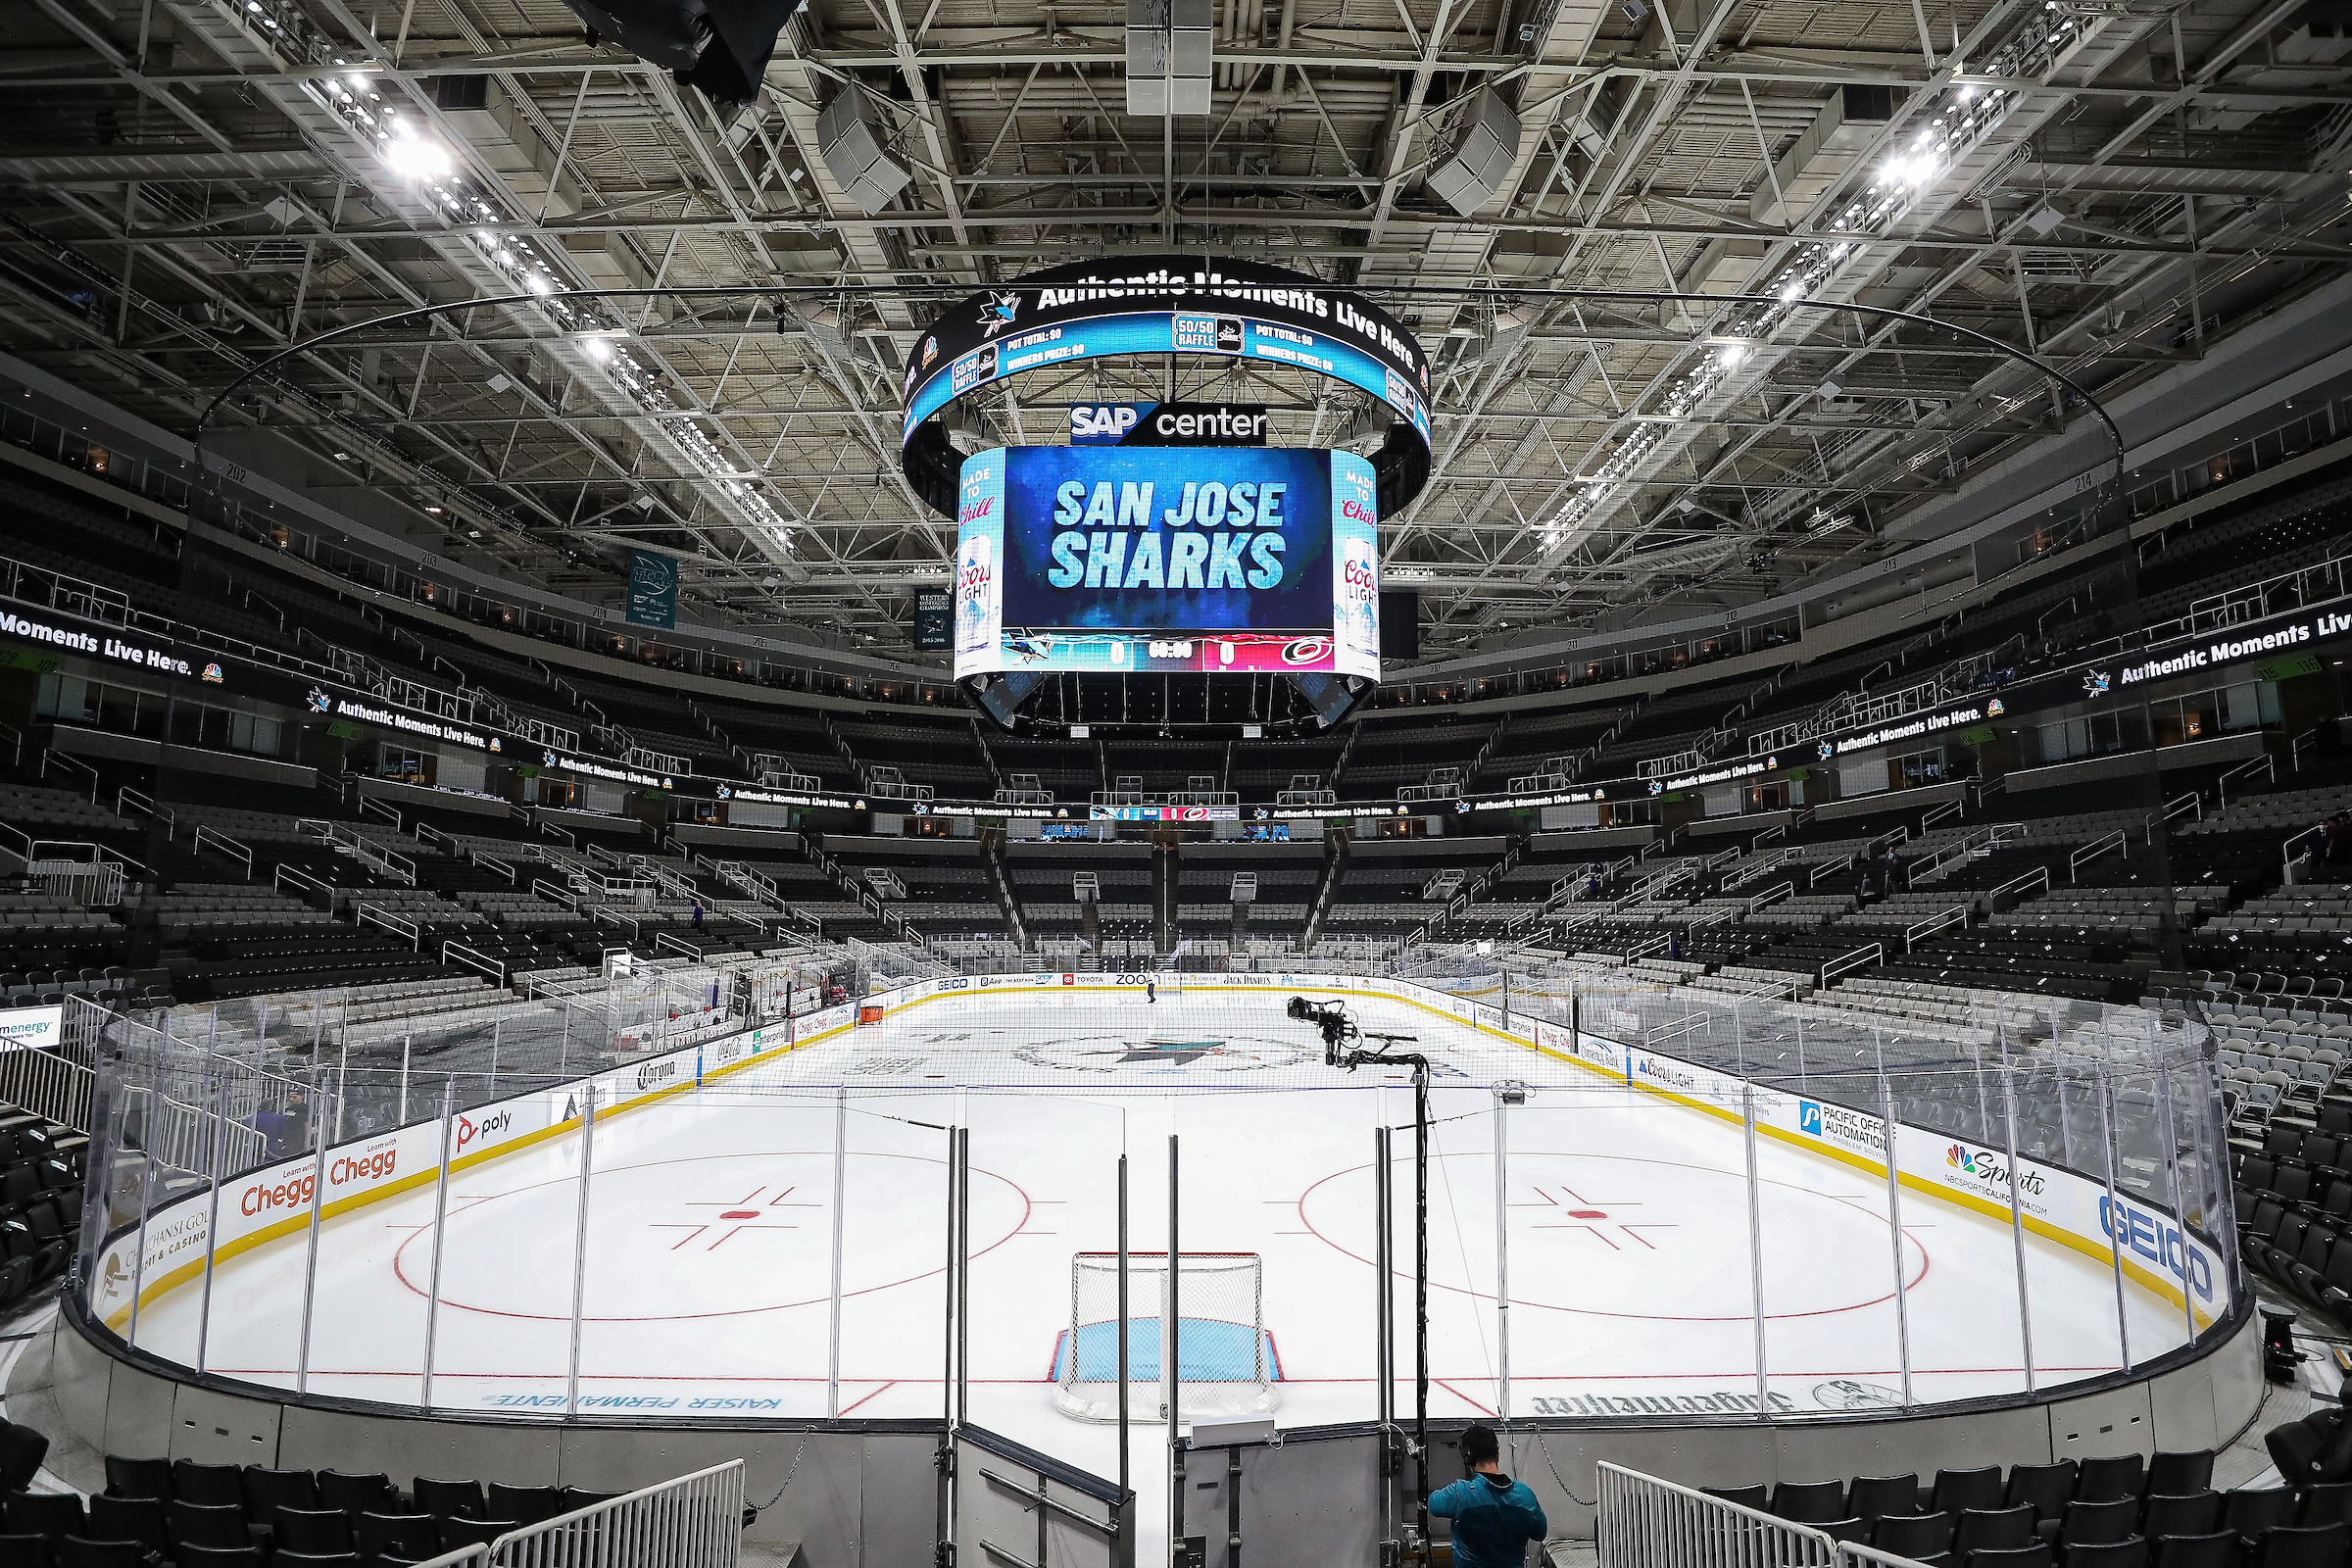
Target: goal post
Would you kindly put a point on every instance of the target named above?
(1226, 1363)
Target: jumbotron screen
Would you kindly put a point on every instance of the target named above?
(1151, 559)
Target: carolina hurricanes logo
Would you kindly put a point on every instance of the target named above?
(1307, 651)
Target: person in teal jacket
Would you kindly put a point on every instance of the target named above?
(1493, 1516)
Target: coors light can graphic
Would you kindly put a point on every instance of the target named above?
(976, 629)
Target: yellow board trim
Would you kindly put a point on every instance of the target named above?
(2157, 1285)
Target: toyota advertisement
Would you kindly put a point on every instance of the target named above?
(1133, 559)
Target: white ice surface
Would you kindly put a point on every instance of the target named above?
(706, 1280)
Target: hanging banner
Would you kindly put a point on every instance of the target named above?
(653, 590)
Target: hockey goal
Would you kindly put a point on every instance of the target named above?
(1225, 1359)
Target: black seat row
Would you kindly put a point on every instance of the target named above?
(261, 1497)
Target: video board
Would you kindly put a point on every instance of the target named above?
(1162, 559)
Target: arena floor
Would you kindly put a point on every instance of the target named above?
(707, 1275)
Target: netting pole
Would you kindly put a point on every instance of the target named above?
(1384, 1300)
(1894, 1216)
(1074, 1326)
(404, 1040)
(212, 1228)
(310, 1267)
(2116, 1224)
(1755, 1245)
(841, 1160)
(2016, 1217)
(1421, 1292)
(946, 1349)
(2172, 1167)
(963, 1270)
(138, 1256)
(579, 1249)
(432, 1292)
(1171, 1323)
(1502, 1260)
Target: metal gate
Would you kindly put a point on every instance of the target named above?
(1015, 1507)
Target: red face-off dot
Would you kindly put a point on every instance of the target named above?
(1574, 1213)
(741, 1213)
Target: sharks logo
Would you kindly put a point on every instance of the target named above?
(725, 794)
(2094, 684)
(320, 701)
(997, 311)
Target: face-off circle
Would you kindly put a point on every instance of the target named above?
(1124, 1056)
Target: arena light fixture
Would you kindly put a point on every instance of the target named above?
(1954, 122)
(413, 158)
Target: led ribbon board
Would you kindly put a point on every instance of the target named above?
(1166, 305)
(1131, 559)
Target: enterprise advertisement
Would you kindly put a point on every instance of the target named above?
(1148, 560)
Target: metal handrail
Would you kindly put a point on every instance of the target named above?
(472, 959)
(2117, 839)
(2265, 764)
(2040, 874)
(1861, 957)
(371, 914)
(1942, 920)
(222, 844)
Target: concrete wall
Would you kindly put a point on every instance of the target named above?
(865, 1493)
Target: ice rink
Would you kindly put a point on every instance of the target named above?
(702, 1261)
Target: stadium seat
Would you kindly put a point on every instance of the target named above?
(530, 1504)
(311, 1530)
(2129, 1552)
(139, 1519)
(1806, 1502)
(359, 1493)
(2195, 1513)
(2296, 1546)
(138, 1477)
(417, 1536)
(1981, 1529)
(75, 1551)
(212, 1485)
(55, 1515)
(1874, 1497)
(2212, 1550)
(2179, 1474)
(1958, 1490)
(1921, 1536)
(446, 1499)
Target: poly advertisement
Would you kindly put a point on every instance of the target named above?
(1162, 558)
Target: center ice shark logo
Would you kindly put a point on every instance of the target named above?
(997, 311)
(1121, 1053)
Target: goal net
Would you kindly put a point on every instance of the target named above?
(1226, 1366)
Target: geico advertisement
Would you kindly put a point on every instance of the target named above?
(2155, 1250)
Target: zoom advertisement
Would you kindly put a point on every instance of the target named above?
(1148, 560)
